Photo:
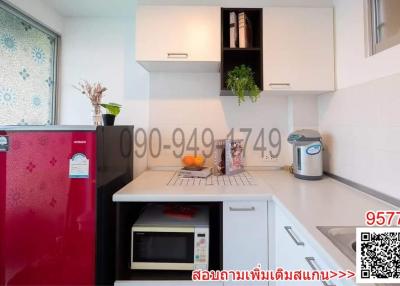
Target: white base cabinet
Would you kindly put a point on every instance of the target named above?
(245, 235)
(294, 252)
(291, 250)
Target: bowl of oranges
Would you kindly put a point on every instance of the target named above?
(193, 162)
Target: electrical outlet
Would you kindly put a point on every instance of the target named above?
(268, 158)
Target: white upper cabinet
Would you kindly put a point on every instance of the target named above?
(178, 38)
(298, 49)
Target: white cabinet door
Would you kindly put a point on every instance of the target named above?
(290, 251)
(178, 33)
(298, 49)
(293, 252)
(245, 234)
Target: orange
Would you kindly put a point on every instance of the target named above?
(188, 161)
(199, 161)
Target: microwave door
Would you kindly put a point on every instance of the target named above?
(162, 248)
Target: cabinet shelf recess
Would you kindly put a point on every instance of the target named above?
(251, 56)
(243, 49)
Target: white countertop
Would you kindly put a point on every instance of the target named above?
(311, 203)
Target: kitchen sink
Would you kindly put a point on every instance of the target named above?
(353, 245)
(343, 237)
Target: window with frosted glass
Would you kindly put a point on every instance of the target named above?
(27, 70)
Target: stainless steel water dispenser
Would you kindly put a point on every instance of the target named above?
(307, 154)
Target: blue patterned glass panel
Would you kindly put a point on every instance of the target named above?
(27, 56)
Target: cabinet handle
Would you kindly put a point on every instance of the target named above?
(314, 266)
(279, 85)
(293, 236)
(252, 209)
(178, 55)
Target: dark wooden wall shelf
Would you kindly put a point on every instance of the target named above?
(251, 56)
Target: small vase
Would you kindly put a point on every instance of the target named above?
(96, 115)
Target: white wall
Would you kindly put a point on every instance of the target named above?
(353, 66)
(40, 12)
(360, 122)
(97, 49)
(102, 50)
(303, 112)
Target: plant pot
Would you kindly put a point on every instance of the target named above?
(108, 119)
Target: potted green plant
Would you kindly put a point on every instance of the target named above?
(241, 82)
(113, 109)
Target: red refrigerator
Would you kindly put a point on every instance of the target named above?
(56, 211)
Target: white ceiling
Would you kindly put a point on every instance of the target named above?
(116, 8)
(241, 3)
(92, 8)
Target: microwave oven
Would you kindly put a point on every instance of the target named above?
(170, 241)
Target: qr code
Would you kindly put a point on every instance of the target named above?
(378, 255)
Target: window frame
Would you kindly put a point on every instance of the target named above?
(57, 39)
(373, 22)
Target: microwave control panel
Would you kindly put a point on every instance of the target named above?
(201, 243)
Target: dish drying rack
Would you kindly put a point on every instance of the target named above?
(238, 180)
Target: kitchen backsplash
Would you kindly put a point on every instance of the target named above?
(361, 130)
(187, 103)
